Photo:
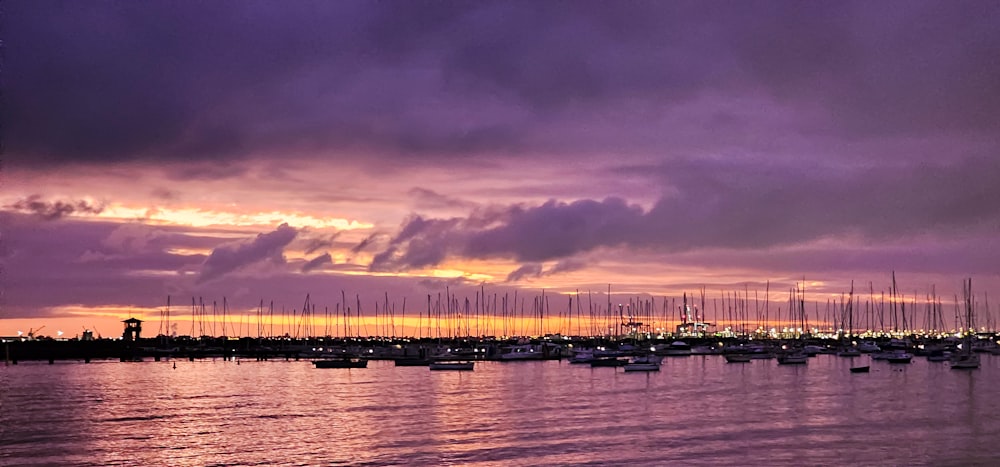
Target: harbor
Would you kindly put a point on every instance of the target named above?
(697, 410)
(410, 351)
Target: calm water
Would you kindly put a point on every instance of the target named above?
(695, 411)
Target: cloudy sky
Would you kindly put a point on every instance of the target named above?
(269, 150)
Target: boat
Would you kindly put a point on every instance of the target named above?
(868, 347)
(814, 350)
(898, 356)
(761, 353)
(412, 361)
(341, 363)
(643, 363)
(608, 362)
(849, 352)
(520, 352)
(860, 369)
(738, 358)
(676, 349)
(794, 357)
(705, 350)
(938, 355)
(452, 366)
(583, 356)
(966, 359)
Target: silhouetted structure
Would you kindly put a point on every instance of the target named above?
(133, 328)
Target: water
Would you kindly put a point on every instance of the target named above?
(696, 411)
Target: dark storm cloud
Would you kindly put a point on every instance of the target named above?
(113, 81)
(317, 262)
(535, 270)
(90, 262)
(567, 265)
(314, 244)
(527, 270)
(231, 257)
(364, 243)
(721, 206)
(52, 210)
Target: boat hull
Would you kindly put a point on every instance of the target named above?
(608, 362)
(642, 367)
(452, 366)
(965, 362)
(411, 362)
(796, 359)
(738, 358)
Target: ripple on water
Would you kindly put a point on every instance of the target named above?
(695, 411)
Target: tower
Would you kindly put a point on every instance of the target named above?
(133, 327)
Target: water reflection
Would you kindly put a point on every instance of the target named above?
(696, 410)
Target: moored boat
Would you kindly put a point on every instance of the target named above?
(938, 355)
(542, 351)
(409, 361)
(643, 363)
(868, 347)
(675, 349)
(738, 358)
(452, 366)
(849, 352)
(608, 362)
(965, 359)
(584, 356)
(860, 369)
(341, 363)
(795, 357)
(899, 356)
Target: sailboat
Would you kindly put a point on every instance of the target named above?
(847, 348)
(643, 363)
(966, 359)
(793, 357)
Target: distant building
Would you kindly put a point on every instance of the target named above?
(692, 322)
(697, 328)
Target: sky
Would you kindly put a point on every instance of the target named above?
(253, 151)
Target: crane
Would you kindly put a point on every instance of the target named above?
(31, 332)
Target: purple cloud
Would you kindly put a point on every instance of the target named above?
(729, 206)
(231, 257)
(429, 199)
(53, 210)
(314, 244)
(525, 271)
(567, 265)
(430, 80)
(317, 262)
(364, 243)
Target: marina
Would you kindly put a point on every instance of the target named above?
(529, 233)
